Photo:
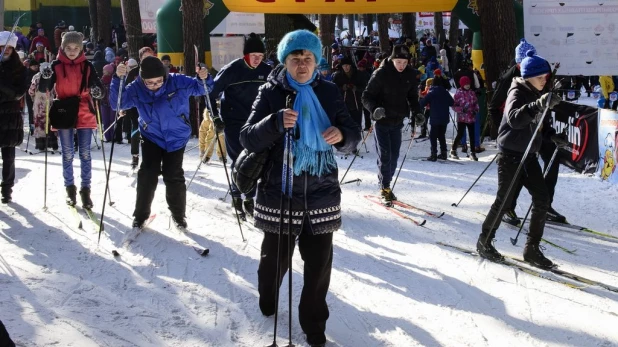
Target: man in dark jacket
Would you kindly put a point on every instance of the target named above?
(524, 109)
(428, 52)
(390, 96)
(315, 191)
(351, 85)
(238, 84)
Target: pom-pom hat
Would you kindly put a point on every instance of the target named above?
(534, 65)
(253, 45)
(522, 48)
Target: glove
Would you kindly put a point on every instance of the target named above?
(378, 113)
(419, 118)
(541, 103)
(46, 71)
(560, 140)
(219, 125)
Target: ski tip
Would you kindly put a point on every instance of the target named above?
(115, 253)
(81, 225)
(440, 215)
(203, 252)
(454, 204)
(422, 222)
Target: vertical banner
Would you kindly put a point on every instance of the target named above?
(148, 13)
(225, 49)
(608, 139)
(581, 124)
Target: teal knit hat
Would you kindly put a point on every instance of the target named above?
(299, 39)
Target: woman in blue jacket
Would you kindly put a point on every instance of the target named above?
(316, 195)
(162, 102)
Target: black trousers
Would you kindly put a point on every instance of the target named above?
(137, 137)
(156, 161)
(8, 170)
(546, 152)
(357, 117)
(437, 133)
(461, 128)
(317, 253)
(367, 117)
(530, 177)
(5, 339)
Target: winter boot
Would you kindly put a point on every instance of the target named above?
(316, 340)
(237, 207)
(554, 216)
(454, 154)
(134, 162)
(6, 195)
(84, 193)
(534, 256)
(486, 249)
(479, 149)
(137, 223)
(387, 197)
(464, 148)
(71, 195)
(432, 157)
(473, 157)
(39, 144)
(249, 206)
(442, 155)
(180, 222)
(511, 218)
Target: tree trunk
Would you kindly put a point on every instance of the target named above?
(367, 23)
(327, 29)
(133, 22)
(453, 34)
(92, 9)
(104, 21)
(276, 26)
(438, 26)
(351, 28)
(408, 25)
(340, 22)
(383, 32)
(498, 41)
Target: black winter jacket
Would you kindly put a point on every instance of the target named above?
(351, 87)
(395, 91)
(239, 84)
(496, 104)
(518, 123)
(13, 85)
(319, 196)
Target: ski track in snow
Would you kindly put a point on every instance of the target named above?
(391, 285)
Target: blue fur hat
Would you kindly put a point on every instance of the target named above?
(534, 65)
(299, 39)
(521, 49)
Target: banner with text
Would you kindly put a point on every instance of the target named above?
(241, 24)
(608, 140)
(579, 34)
(581, 122)
(148, 12)
(225, 49)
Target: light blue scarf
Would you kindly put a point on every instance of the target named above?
(311, 152)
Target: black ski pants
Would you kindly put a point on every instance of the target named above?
(135, 134)
(5, 339)
(437, 133)
(357, 117)
(461, 129)
(531, 177)
(156, 161)
(317, 253)
(546, 152)
(388, 144)
(8, 170)
(234, 148)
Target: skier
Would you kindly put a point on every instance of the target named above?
(39, 97)
(40, 38)
(13, 85)
(466, 105)
(390, 96)
(316, 194)
(107, 114)
(207, 140)
(74, 76)
(439, 100)
(524, 108)
(351, 86)
(238, 84)
(162, 102)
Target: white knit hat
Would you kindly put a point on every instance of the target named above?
(8, 39)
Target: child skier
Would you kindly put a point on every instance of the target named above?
(208, 143)
(39, 96)
(439, 100)
(466, 105)
(162, 101)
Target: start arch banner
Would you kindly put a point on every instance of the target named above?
(338, 6)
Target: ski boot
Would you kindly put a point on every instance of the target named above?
(71, 195)
(432, 157)
(316, 340)
(535, 257)
(486, 249)
(237, 207)
(453, 154)
(39, 144)
(442, 155)
(511, 218)
(134, 162)
(6, 195)
(249, 206)
(554, 216)
(139, 224)
(473, 157)
(84, 194)
(387, 197)
(180, 222)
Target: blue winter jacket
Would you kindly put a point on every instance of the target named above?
(439, 100)
(163, 114)
(238, 85)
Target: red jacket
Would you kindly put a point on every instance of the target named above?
(41, 39)
(67, 80)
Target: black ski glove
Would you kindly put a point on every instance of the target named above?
(560, 140)
(378, 113)
(219, 125)
(542, 102)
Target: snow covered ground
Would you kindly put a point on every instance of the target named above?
(392, 285)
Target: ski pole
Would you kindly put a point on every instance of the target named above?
(27, 142)
(229, 184)
(521, 164)
(404, 158)
(95, 140)
(476, 180)
(100, 127)
(46, 144)
(551, 162)
(6, 44)
(111, 155)
(356, 155)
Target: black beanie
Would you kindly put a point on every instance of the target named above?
(401, 52)
(152, 67)
(253, 45)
